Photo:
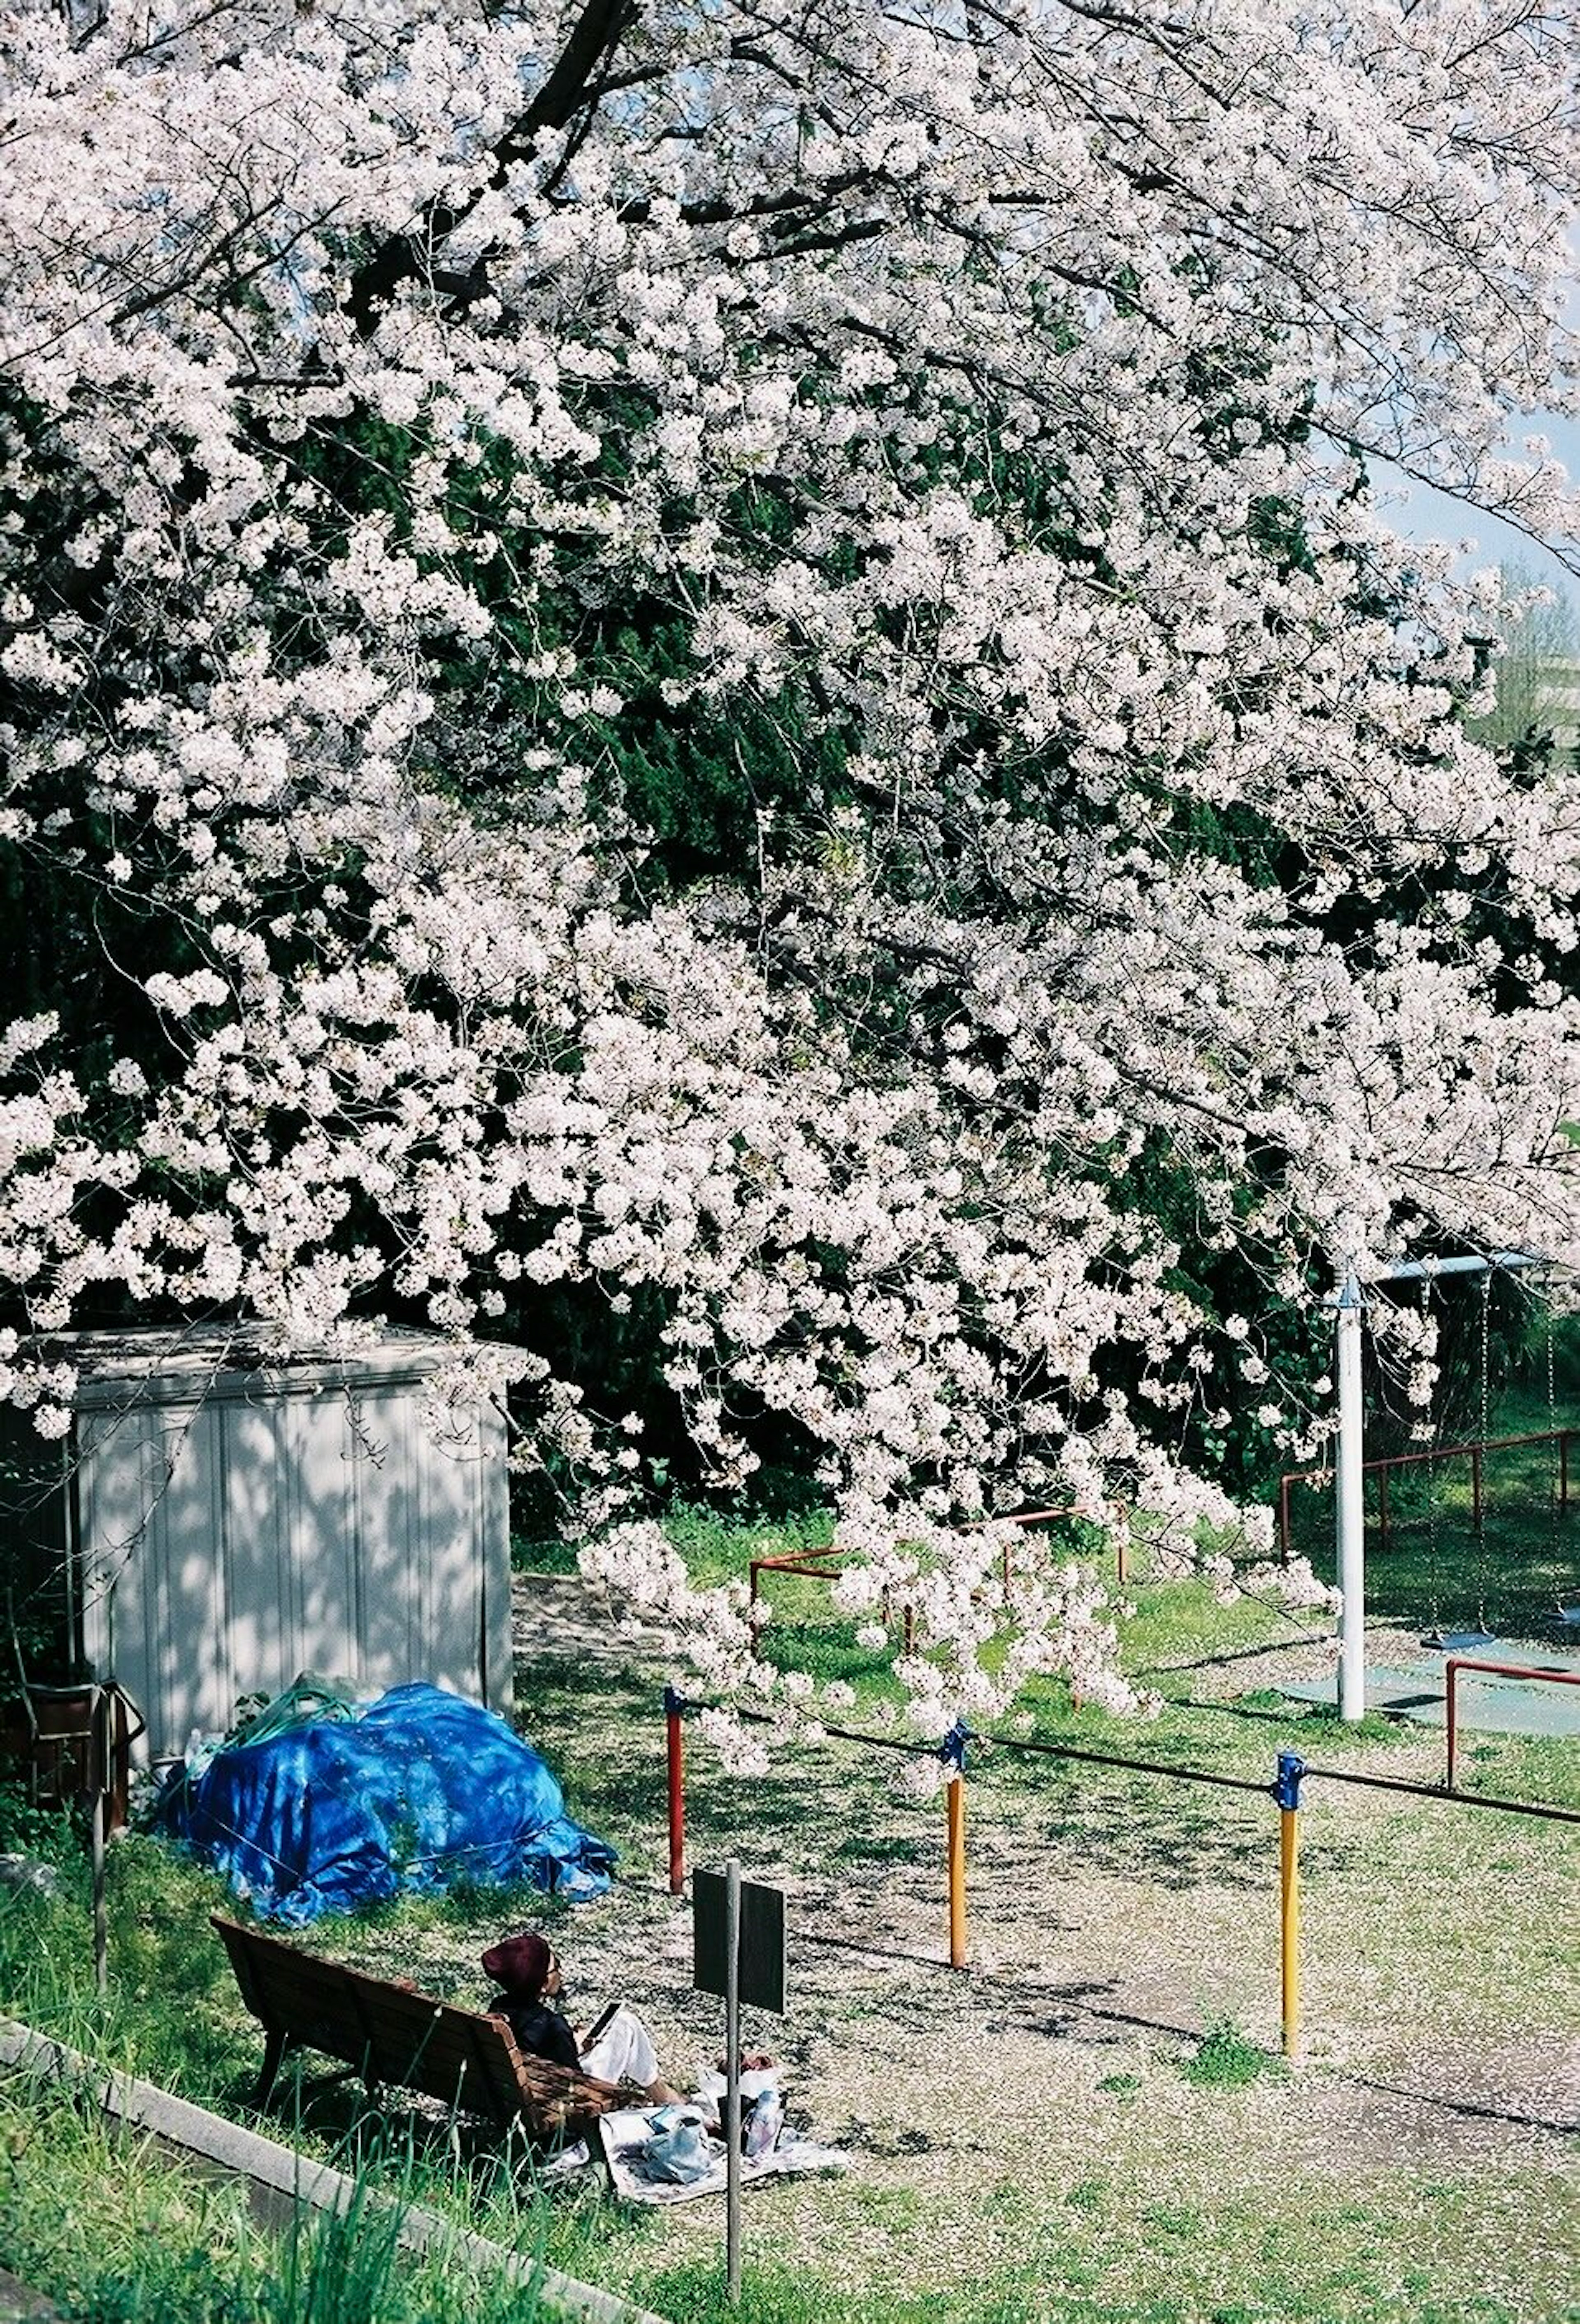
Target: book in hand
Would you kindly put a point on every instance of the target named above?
(600, 2027)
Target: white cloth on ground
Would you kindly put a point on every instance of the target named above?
(623, 2052)
(623, 2136)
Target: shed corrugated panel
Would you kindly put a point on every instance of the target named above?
(151, 1498)
(237, 1542)
(491, 1514)
(259, 1614)
(417, 1493)
(112, 1502)
(455, 1480)
(316, 1552)
(187, 1538)
(383, 1492)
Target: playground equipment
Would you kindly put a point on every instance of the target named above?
(1290, 1774)
(1387, 1465)
(1351, 1465)
(1522, 1672)
(1505, 1693)
(952, 1751)
(1350, 1471)
(1286, 1791)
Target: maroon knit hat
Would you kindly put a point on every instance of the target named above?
(519, 1964)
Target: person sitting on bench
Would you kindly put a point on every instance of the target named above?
(617, 2049)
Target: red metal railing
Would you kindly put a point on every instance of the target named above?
(816, 1563)
(1475, 1453)
(1457, 1662)
(674, 1707)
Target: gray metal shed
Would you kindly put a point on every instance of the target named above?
(232, 1513)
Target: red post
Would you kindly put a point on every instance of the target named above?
(672, 1707)
(1521, 1671)
(1476, 1484)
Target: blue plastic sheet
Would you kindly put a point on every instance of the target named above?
(422, 1790)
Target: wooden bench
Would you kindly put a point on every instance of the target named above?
(387, 2033)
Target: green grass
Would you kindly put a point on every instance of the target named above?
(1177, 2207)
(715, 1548)
(1438, 1914)
(1176, 1643)
(1226, 2058)
(1435, 1567)
(93, 2215)
(1131, 2238)
(172, 2016)
(90, 2216)
(531, 1554)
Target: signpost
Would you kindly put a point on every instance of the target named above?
(100, 1776)
(737, 1934)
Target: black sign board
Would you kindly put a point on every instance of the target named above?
(762, 1955)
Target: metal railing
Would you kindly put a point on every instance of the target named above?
(1457, 1662)
(1475, 1453)
(1285, 1790)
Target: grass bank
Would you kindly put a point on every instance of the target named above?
(113, 2232)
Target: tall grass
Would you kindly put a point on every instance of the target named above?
(172, 2016)
(96, 2217)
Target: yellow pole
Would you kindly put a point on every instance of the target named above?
(956, 1798)
(1290, 1905)
(1286, 1791)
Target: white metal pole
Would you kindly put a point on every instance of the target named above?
(1351, 1507)
(733, 2083)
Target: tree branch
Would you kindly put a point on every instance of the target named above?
(596, 35)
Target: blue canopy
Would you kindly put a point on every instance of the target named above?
(418, 1791)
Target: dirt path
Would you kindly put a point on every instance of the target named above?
(560, 1616)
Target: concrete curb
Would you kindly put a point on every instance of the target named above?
(282, 2171)
(18, 2305)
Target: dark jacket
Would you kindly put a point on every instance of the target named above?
(540, 2030)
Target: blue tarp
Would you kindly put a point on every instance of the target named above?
(420, 1790)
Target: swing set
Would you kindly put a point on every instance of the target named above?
(1351, 1469)
(1349, 1473)
(1476, 1640)
(1475, 1451)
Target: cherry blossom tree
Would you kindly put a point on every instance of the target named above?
(423, 423)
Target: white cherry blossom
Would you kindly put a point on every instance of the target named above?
(986, 402)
